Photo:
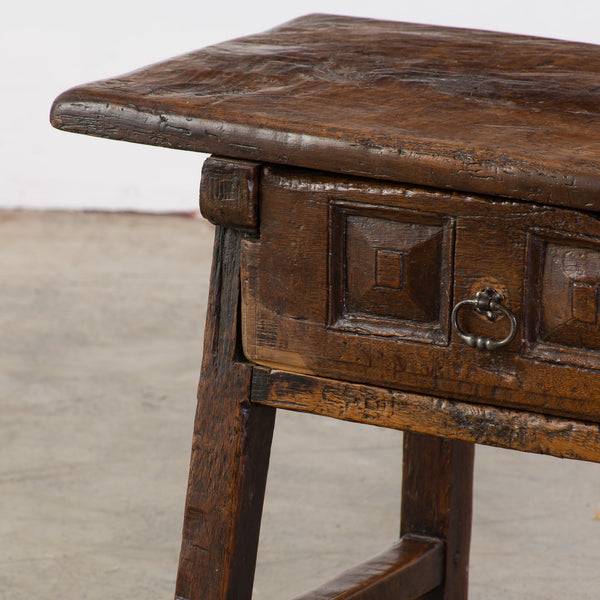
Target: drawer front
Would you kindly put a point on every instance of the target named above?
(357, 280)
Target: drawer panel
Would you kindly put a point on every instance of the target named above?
(389, 271)
(357, 279)
(564, 312)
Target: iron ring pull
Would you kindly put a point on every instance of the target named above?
(487, 302)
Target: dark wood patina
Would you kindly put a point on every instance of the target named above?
(468, 110)
(372, 178)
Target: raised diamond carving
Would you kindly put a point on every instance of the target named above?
(565, 281)
(394, 271)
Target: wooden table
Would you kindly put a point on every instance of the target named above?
(407, 236)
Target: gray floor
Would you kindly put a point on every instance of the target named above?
(101, 321)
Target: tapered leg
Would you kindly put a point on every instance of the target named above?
(230, 452)
(437, 501)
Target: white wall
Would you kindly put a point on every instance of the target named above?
(55, 45)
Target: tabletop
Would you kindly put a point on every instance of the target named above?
(474, 111)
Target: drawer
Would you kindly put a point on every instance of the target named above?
(358, 280)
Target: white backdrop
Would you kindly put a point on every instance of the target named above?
(48, 48)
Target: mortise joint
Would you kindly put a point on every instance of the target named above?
(229, 192)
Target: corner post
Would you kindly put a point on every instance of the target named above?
(232, 437)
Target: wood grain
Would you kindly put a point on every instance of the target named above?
(504, 428)
(229, 192)
(408, 570)
(453, 108)
(388, 250)
(316, 303)
(354, 279)
(230, 452)
(437, 500)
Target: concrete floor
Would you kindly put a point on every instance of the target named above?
(101, 319)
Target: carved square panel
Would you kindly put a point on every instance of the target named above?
(389, 271)
(564, 285)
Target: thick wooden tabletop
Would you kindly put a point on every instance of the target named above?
(469, 110)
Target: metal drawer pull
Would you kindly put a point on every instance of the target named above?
(487, 302)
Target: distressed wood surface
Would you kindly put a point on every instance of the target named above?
(454, 108)
(230, 452)
(408, 570)
(229, 192)
(504, 428)
(437, 500)
(356, 279)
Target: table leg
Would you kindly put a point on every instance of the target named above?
(437, 500)
(230, 452)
